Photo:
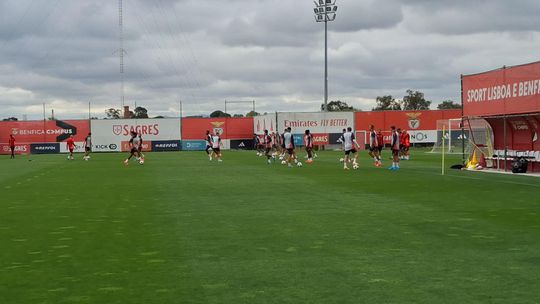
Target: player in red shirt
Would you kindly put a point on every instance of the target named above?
(406, 144)
(380, 141)
(12, 145)
(70, 143)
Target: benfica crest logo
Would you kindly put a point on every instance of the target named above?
(218, 126)
(117, 129)
(414, 122)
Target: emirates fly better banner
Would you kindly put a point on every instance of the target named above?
(317, 123)
(112, 135)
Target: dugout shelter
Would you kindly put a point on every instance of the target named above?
(508, 99)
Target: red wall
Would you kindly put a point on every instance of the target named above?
(39, 131)
(230, 128)
(409, 120)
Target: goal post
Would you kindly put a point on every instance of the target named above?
(449, 137)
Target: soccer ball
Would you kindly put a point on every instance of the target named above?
(355, 166)
(299, 164)
(341, 160)
(141, 161)
(283, 162)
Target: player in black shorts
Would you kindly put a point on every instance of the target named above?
(208, 140)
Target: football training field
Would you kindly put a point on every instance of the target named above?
(181, 229)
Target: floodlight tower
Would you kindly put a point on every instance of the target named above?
(325, 11)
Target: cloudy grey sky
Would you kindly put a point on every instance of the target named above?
(63, 52)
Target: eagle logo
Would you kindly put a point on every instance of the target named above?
(218, 126)
(414, 122)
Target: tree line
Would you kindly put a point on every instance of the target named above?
(413, 100)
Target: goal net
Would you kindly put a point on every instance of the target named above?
(457, 137)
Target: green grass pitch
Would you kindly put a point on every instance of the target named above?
(180, 229)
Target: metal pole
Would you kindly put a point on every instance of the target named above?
(253, 107)
(89, 111)
(505, 145)
(325, 59)
(462, 125)
(225, 107)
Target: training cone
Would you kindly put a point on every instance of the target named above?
(473, 162)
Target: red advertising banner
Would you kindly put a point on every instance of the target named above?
(512, 90)
(408, 120)
(19, 149)
(146, 146)
(229, 128)
(321, 139)
(44, 131)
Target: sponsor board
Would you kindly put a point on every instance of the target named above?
(19, 149)
(193, 145)
(146, 146)
(298, 140)
(44, 131)
(106, 147)
(334, 137)
(108, 135)
(425, 136)
(45, 148)
(321, 139)
(511, 90)
(79, 147)
(242, 144)
(265, 122)
(320, 122)
(166, 145)
(228, 128)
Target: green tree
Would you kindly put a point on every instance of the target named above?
(337, 106)
(414, 100)
(219, 113)
(448, 104)
(112, 113)
(140, 112)
(10, 119)
(252, 114)
(238, 115)
(386, 103)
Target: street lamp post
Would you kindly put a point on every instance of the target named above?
(325, 11)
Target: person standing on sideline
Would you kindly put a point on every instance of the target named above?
(12, 146)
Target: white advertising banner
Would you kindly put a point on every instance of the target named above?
(317, 123)
(109, 135)
(424, 136)
(265, 122)
(79, 147)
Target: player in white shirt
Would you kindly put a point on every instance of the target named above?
(395, 148)
(216, 146)
(350, 145)
(288, 143)
(87, 146)
(374, 146)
